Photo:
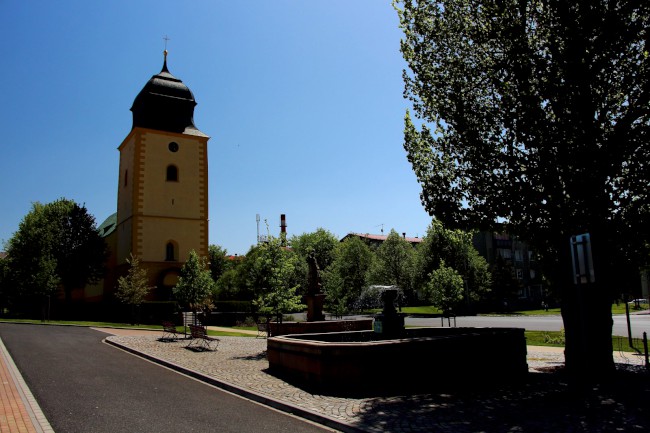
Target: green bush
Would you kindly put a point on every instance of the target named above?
(246, 323)
(554, 338)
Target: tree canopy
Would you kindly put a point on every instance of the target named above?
(132, 289)
(348, 275)
(445, 288)
(195, 284)
(394, 264)
(219, 262)
(535, 119)
(321, 243)
(57, 244)
(273, 273)
(453, 247)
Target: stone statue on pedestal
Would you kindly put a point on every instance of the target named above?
(314, 297)
(313, 276)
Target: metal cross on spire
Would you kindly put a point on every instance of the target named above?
(165, 38)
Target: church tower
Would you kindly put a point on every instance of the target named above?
(162, 204)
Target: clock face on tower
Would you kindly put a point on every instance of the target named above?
(173, 146)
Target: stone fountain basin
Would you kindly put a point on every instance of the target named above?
(352, 362)
(320, 327)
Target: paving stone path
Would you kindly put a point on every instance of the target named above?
(534, 406)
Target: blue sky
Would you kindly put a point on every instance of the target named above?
(302, 101)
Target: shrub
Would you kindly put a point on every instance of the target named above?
(554, 338)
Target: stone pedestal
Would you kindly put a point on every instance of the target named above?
(390, 326)
(389, 323)
(315, 307)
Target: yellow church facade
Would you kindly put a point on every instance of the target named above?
(162, 198)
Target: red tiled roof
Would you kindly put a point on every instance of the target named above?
(382, 238)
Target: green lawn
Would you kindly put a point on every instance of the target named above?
(425, 309)
(544, 338)
(234, 333)
(620, 308)
(616, 309)
(556, 338)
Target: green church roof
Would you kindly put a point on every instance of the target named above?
(108, 226)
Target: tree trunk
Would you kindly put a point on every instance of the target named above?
(587, 316)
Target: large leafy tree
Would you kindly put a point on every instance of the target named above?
(132, 288)
(445, 289)
(219, 261)
(455, 248)
(347, 276)
(232, 284)
(272, 271)
(56, 245)
(536, 114)
(195, 283)
(321, 244)
(4, 279)
(394, 264)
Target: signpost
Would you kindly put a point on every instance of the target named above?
(583, 264)
(583, 275)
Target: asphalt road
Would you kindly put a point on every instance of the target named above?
(86, 386)
(640, 323)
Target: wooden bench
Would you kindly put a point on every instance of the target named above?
(200, 339)
(169, 332)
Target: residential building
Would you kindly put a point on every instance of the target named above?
(516, 255)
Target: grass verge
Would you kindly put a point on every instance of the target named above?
(556, 338)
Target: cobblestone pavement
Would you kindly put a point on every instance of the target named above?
(538, 405)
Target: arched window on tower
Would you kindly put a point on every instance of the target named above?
(170, 252)
(172, 173)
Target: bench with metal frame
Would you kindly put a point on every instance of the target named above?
(200, 339)
(169, 332)
(263, 327)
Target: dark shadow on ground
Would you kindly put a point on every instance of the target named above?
(545, 403)
(386, 387)
(199, 349)
(172, 340)
(260, 356)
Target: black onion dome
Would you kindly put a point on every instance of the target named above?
(165, 104)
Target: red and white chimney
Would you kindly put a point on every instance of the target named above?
(283, 224)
